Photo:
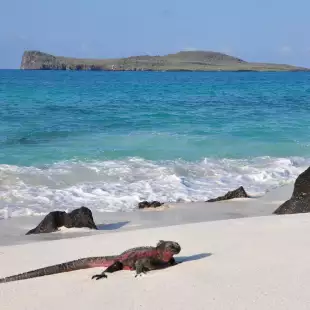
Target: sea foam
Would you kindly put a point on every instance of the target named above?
(119, 185)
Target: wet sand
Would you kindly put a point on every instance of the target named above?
(12, 231)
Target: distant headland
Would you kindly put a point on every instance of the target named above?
(181, 61)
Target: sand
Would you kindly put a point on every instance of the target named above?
(256, 261)
(12, 231)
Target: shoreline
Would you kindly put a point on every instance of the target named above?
(12, 230)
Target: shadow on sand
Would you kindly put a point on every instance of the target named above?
(112, 226)
(183, 259)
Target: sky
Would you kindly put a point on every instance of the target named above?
(254, 30)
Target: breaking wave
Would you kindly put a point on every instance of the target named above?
(119, 185)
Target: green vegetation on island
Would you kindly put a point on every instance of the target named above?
(181, 61)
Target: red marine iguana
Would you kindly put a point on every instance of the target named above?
(140, 259)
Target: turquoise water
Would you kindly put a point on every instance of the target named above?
(110, 139)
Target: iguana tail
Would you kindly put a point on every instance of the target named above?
(83, 263)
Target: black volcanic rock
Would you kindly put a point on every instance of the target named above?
(300, 199)
(237, 193)
(146, 204)
(81, 217)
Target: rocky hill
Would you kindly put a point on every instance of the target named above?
(181, 61)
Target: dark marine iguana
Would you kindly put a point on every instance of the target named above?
(140, 259)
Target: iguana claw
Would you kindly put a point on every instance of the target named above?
(99, 276)
(140, 274)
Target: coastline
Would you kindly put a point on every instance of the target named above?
(12, 230)
(243, 263)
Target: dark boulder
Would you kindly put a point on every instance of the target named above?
(146, 204)
(78, 218)
(300, 199)
(237, 193)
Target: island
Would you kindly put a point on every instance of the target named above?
(181, 61)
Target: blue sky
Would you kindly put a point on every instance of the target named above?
(255, 30)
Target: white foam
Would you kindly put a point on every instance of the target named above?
(120, 185)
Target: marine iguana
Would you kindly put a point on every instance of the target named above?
(140, 259)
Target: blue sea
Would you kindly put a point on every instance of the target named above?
(108, 140)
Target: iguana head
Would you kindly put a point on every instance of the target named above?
(169, 246)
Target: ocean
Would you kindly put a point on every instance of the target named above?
(108, 140)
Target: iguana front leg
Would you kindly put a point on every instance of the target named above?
(173, 262)
(147, 264)
(117, 266)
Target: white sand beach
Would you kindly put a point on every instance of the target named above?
(256, 261)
